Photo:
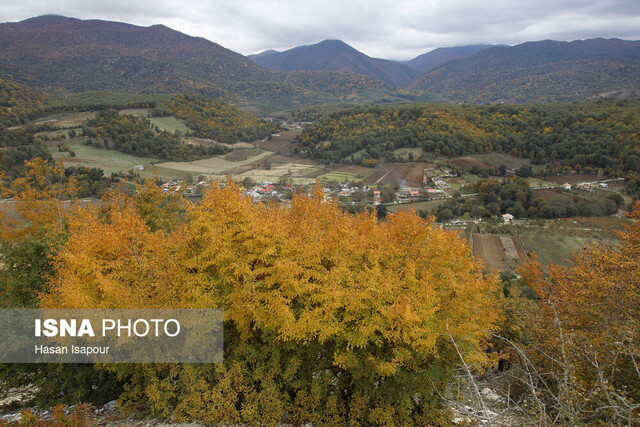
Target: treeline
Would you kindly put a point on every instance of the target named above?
(514, 196)
(137, 136)
(592, 134)
(217, 120)
(102, 99)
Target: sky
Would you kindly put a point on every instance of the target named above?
(391, 29)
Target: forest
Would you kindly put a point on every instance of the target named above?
(215, 119)
(591, 134)
(138, 136)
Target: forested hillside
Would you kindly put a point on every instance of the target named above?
(133, 135)
(544, 71)
(17, 101)
(599, 134)
(220, 121)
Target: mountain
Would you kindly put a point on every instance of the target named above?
(544, 71)
(430, 60)
(81, 55)
(336, 55)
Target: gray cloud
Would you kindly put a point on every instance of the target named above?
(399, 29)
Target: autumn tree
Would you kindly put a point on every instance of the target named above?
(586, 346)
(43, 201)
(330, 318)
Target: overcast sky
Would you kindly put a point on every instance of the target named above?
(392, 29)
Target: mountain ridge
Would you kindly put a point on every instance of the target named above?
(335, 55)
(80, 55)
(433, 59)
(543, 71)
(70, 54)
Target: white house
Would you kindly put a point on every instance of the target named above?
(507, 217)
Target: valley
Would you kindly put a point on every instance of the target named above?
(381, 235)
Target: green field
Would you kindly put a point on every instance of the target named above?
(497, 159)
(537, 183)
(557, 240)
(403, 153)
(428, 206)
(107, 160)
(340, 176)
(66, 120)
(170, 124)
(357, 155)
(241, 154)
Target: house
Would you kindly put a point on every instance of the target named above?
(433, 191)
(507, 217)
(587, 186)
(414, 194)
(377, 197)
(566, 186)
(603, 185)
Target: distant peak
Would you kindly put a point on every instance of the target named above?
(333, 43)
(49, 19)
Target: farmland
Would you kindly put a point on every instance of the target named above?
(496, 159)
(109, 161)
(468, 162)
(65, 120)
(498, 252)
(553, 241)
(408, 174)
(427, 206)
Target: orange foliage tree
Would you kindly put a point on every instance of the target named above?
(586, 344)
(330, 318)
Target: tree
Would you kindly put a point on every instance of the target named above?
(587, 347)
(28, 246)
(329, 317)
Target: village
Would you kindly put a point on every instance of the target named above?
(438, 184)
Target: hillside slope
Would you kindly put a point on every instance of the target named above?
(433, 59)
(542, 71)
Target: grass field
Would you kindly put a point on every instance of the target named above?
(340, 176)
(140, 112)
(428, 206)
(403, 153)
(107, 160)
(538, 183)
(497, 159)
(241, 154)
(170, 124)
(468, 162)
(210, 166)
(65, 120)
(295, 171)
(556, 241)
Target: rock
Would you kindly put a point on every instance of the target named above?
(489, 394)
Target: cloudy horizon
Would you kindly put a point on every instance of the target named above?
(399, 29)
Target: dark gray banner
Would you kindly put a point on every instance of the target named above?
(111, 336)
